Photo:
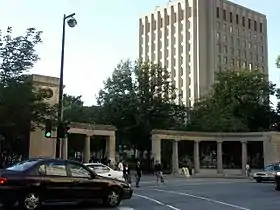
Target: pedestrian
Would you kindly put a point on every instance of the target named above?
(248, 170)
(120, 165)
(138, 173)
(126, 173)
(158, 172)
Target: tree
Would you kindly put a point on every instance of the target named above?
(238, 101)
(22, 107)
(75, 111)
(138, 98)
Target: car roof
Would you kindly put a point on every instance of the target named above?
(88, 164)
(40, 159)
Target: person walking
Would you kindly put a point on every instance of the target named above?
(158, 172)
(120, 166)
(138, 173)
(126, 173)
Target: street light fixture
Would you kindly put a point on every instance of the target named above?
(72, 22)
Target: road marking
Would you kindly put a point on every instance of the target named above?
(204, 198)
(194, 183)
(156, 201)
(125, 208)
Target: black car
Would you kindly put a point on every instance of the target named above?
(34, 182)
(277, 181)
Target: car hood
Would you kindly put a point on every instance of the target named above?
(112, 179)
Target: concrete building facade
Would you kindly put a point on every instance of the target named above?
(195, 38)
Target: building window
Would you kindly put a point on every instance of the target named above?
(238, 41)
(237, 19)
(249, 45)
(224, 27)
(218, 25)
(249, 35)
(232, 62)
(232, 51)
(218, 37)
(250, 66)
(218, 12)
(225, 49)
(238, 53)
(231, 40)
(238, 64)
(261, 27)
(237, 31)
(225, 60)
(244, 44)
(244, 54)
(262, 59)
(230, 29)
(243, 21)
(218, 48)
(224, 15)
(230, 17)
(262, 49)
(249, 23)
(255, 25)
(224, 38)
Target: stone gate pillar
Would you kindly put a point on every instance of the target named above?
(156, 148)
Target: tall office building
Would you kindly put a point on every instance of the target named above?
(195, 38)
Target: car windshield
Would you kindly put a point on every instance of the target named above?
(22, 166)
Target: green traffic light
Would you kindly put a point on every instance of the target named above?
(48, 134)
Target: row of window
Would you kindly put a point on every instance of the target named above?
(59, 169)
(227, 49)
(237, 42)
(238, 63)
(238, 31)
(245, 22)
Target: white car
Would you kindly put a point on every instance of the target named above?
(105, 171)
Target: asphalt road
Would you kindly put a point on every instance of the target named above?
(199, 194)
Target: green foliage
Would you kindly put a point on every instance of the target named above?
(22, 107)
(74, 111)
(138, 98)
(238, 101)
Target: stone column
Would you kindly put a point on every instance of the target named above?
(244, 156)
(175, 158)
(196, 157)
(219, 157)
(112, 148)
(87, 149)
(156, 148)
(64, 148)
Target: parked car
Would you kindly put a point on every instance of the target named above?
(34, 182)
(105, 171)
(268, 174)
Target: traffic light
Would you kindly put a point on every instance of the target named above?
(62, 129)
(48, 129)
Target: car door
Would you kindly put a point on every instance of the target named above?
(84, 184)
(55, 181)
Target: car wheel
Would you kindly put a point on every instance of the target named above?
(113, 198)
(259, 180)
(31, 201)
(277, 186)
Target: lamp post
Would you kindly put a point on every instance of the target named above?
(71, 21)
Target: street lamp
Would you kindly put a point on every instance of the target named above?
(71, 21)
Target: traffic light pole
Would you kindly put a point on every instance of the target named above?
(59, 142)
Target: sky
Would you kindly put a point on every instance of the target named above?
(107, 32)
